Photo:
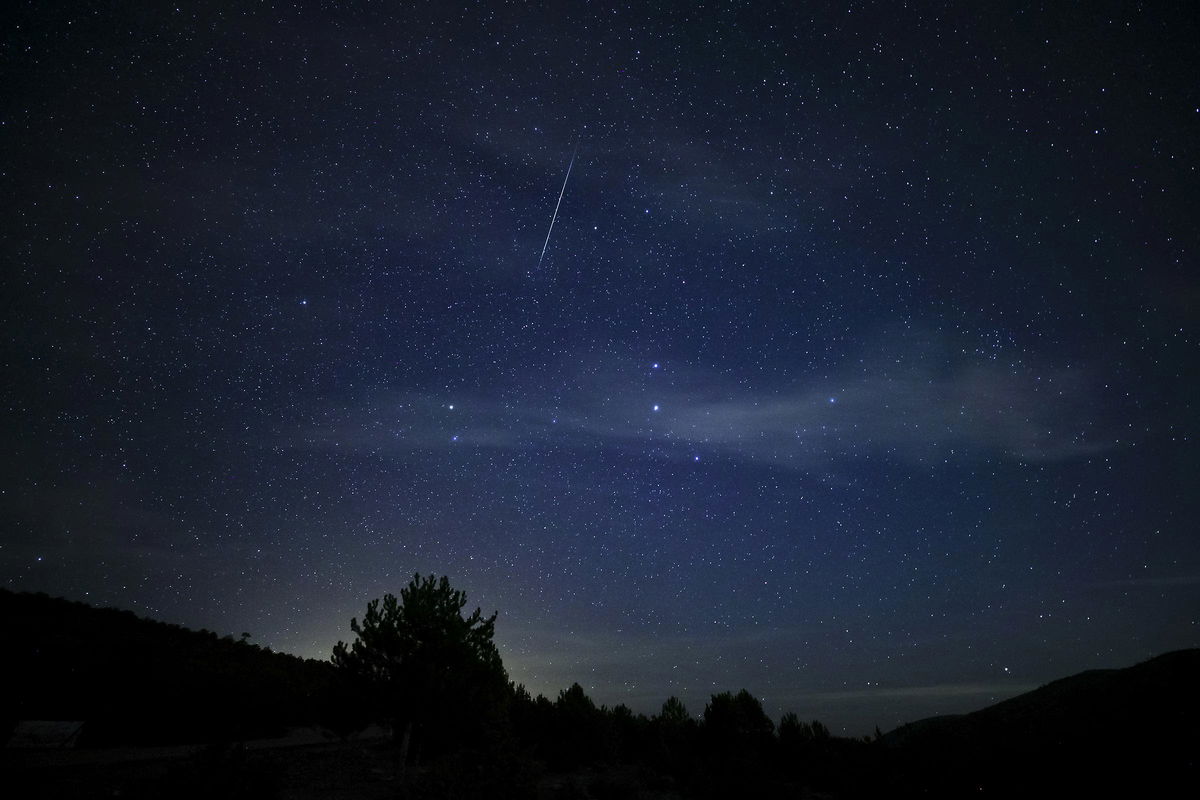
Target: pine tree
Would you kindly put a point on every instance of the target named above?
(674, 712)
(434, 672)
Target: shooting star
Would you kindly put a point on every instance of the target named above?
(557, 205)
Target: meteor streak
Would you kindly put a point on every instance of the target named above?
(556, 205)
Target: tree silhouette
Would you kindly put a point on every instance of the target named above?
(738, 718)
(578, 731)
(434, 672)
(739, 740)
(674, 712)
(794, 733)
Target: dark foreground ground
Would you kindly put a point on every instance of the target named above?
(330, 769)
(308, 768)
(282, 770)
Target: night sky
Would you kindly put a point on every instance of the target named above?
(860, 368)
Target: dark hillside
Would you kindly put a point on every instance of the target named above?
(138, 681)
(1101, 729)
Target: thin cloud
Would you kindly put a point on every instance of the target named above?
(906, 413)
(936, 691)
(1177, 580)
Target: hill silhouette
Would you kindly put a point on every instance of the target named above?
(138, 681)
(1100, 730)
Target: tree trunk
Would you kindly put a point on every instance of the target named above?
(405, 741)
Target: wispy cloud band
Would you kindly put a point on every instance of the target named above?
(906, 412)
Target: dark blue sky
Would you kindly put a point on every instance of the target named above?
(860, 369)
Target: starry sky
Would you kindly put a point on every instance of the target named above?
(859, 370)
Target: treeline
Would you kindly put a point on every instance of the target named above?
(138, 681)
(1128, 732)
(733, 749)
(420, 662)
